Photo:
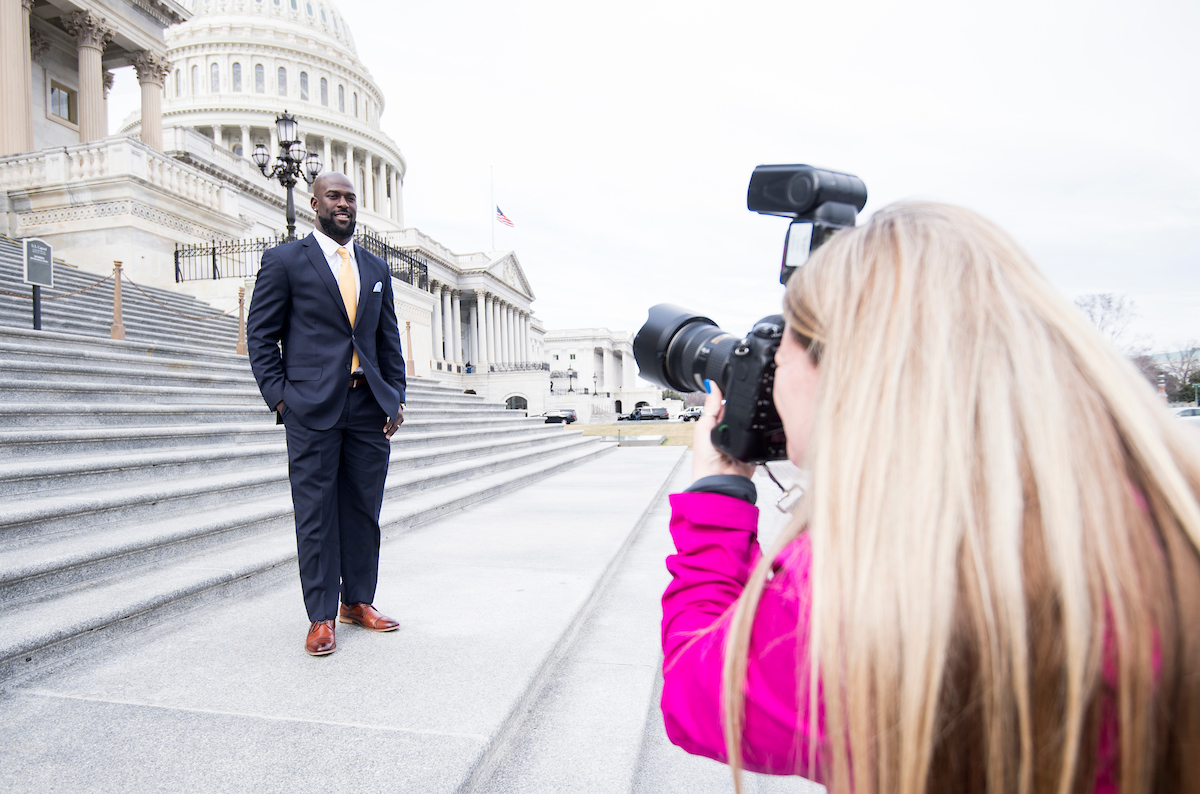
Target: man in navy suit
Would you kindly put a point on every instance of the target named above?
(338, 386)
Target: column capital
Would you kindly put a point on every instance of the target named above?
(109, 77)
(88, 29)
(151, 67)
(39, 45)
(456, 293)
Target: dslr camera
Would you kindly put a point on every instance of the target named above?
(678, 349)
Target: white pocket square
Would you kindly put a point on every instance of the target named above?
(378, 287)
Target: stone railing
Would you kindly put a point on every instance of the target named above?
(113, 157)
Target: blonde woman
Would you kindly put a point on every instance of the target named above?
(993, 583)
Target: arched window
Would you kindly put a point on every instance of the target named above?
(341, 99)
(195, 80)
(324, 92)
(516, 403)
(214, 78)
(355, 104)
(178, 82)
(324, 19)
(235, 73)
(237, 149)
(309, 8)
(293, 5)
(336, 28)
(362, 181)
(282, 81)
(260, 78)
(304, 86)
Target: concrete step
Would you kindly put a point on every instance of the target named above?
(31, 517)
(140, 324)
(32, 445)
(54, 628)
(129, 415)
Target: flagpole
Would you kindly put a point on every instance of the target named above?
(492, 173)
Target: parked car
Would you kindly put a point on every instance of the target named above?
(560, 416)
(691, 413)
(1189, 415)
(646, 412)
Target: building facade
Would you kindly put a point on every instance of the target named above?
(214, 75)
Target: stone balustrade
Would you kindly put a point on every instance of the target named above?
(109, 158)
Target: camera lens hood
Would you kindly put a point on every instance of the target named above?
(653, 341)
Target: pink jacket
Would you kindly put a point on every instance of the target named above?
(716, 537)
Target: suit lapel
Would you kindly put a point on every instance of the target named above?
(365, 278)
(316, 258)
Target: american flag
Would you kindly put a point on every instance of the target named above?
(500, 216)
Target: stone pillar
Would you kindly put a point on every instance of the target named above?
(218, 135)
(525, 340)
(247, 148)
(608, 378)
(485, 354)
(369, 187)
(91, 35)
(628, 375)
(151, 72)
(473, 333)
(395, 187)
(456, 315)
(435, 325)
(272, 144)
(447, 328)
(509, 353)
(327, 163)
(16, 98)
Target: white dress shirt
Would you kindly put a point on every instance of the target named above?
(329, 247)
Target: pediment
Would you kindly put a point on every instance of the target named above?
(507, 268)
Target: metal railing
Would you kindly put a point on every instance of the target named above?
(530, 367)
(242, 259)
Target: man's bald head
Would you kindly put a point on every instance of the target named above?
(336, 205)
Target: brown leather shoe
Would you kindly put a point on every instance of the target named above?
(320, 641)
(367, 616)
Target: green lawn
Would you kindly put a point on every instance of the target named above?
(679, 434)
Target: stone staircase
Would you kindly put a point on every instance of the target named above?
(138, 479)
(153, 317)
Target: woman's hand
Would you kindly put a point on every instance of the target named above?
(707, 460)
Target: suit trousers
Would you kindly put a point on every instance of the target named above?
(337, 478)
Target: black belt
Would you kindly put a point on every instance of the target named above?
(357, 380)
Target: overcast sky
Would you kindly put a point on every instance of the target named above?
(622, 136)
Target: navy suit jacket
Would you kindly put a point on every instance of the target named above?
(296, 301)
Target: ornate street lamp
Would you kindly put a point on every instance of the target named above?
(570, 380)
(293, 162)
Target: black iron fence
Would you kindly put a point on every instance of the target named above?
(242, 258)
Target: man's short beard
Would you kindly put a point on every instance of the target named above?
(327, 226)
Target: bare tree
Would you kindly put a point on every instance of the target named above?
(1181, 366)
(1110, 313)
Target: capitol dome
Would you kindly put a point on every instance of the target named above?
(237, 64)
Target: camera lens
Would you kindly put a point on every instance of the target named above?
(679, 349)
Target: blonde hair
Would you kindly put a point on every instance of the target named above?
(1000, 510)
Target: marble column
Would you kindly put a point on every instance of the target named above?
(447, 327)
(16, 97)
(627, 372)
(525, 340)
(327, 163)
(489, 336)
(91, 35)
(273, 145)
(218, 135)
(435, 325)
(247, 148)
(608, 378)
(485, 354)
(473, 334)
(395, 183)
(456, 309)
(152, 71)
(369, 188)
(510, 356)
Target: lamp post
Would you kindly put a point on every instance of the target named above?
(293, 161)
(570, 379)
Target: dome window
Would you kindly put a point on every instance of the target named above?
(235, 74)
(276, 2)
(336, 28)
(304, 86)
(281, 81)
(341, 99)
(324, 19)
(178, 82)
(355, 104)
(308, 7)
(324, 92)
(214, 78)
(294, 8)
(195, 81)
(260, 79)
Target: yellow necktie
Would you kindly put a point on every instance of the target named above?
(346, 287)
